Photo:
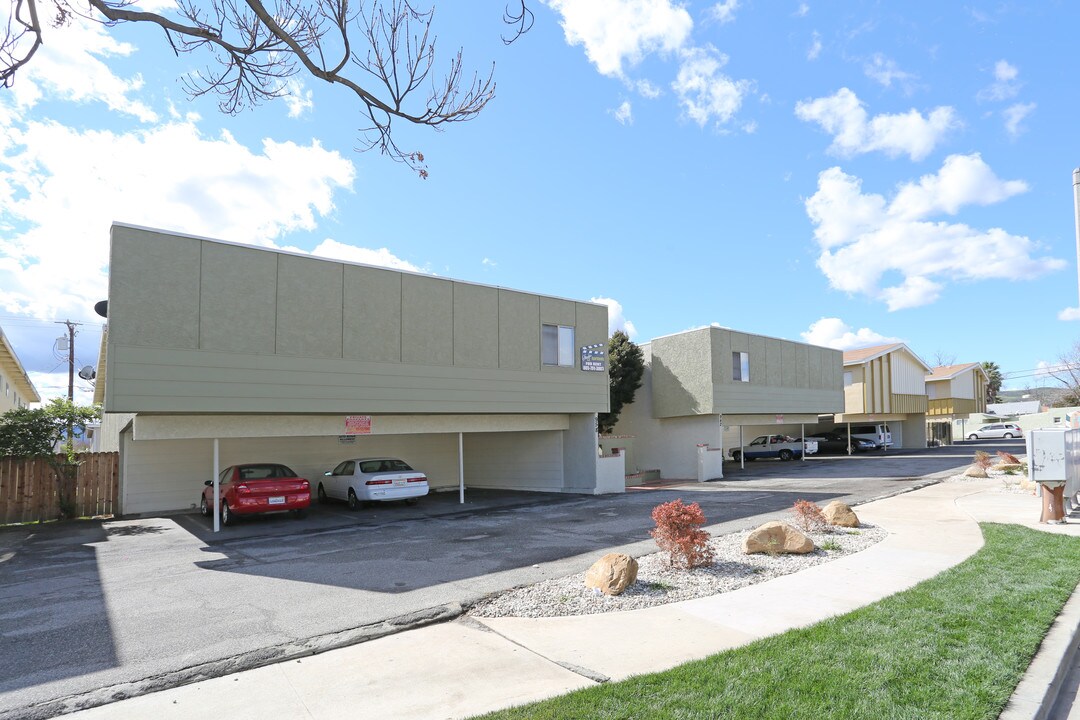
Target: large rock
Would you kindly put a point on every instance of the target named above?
(841, 514)
(975, 471)
(612, 573)
(775, 538)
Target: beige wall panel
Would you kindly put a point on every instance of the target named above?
(165, 475)
(722, 360)
(238, 299)
(309, 305)
(427, 320)
(476, 326)
(907, 375)
(757, 360)
(682, 374)
(740, 342)
(788, 364)
(555, 311)
(815, 364)
(592, 326)
(963, 386)
(518, 461)
(519, 331)
(854, 398)
(372, 314)
(157, 304)
(802, 366)
(773, 374)
(752, 399)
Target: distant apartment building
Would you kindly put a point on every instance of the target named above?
(17, 389)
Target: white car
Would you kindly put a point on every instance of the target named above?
(372, 479)
(998, 430)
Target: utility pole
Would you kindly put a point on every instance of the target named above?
(71, 357)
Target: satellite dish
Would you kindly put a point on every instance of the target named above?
(102, 308)
(88, 373)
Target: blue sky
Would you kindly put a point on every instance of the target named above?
(838, 173)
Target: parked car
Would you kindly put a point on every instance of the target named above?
(372, 479)
(774, 446)
(837, 442)
(879, 434)
(257, 488)
(997, 430)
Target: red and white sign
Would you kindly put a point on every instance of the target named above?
(357, 424)
(779, 419)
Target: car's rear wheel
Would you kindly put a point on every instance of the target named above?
(354, 502)
(322, 494)
(786, 455)
(1008, 436)
(297, 514)
(736, 455)
(411, 501)
(973, 436)
(204, 509)
(227, 517)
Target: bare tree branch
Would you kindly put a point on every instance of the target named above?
(259, 45)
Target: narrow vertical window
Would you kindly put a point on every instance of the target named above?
(566, 346)
(740, 367)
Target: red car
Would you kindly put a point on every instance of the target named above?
(257, 488)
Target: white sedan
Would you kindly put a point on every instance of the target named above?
(372, 479)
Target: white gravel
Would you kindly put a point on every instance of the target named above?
(1010, 483)
(658, 583)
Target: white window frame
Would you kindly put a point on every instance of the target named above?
(564, 346)
(740, 366)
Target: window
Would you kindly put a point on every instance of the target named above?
(740, 367)
(557, 345)
(847, 379)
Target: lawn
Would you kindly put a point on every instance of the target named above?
(952, 647)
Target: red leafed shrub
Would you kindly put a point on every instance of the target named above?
(678, 532)
(983, 459)
(1008, 458)
(808, 516)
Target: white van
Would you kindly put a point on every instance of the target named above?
(878, 433)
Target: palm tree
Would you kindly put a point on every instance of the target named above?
(993, 380)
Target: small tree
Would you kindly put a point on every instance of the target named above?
(626, 366)
(678, 532)
(994, 378)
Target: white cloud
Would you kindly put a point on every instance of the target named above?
(1015, 115)
(624, 113)
(620, 33)
(489, 263)
(724, 12)
(1069, 313)
(865, 237)
(834, 333)
(70, 65)
(647, 90)
(1006, 83)
(55, 384)
(854, 132)
(803, 10)
(705, 93)
(382, 257)
(298, 99)
(61, 188)
(884, 71)
(815, 47)
(616, 319)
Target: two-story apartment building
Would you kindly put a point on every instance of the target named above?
(17, 389)
(886, 384)
(215, 349)
(707, 386)
(954, 392)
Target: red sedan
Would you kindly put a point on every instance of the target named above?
(257, 488)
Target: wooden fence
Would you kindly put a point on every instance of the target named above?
(29, 489)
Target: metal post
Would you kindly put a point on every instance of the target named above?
(742, 450)
(217, 488)
(461, 467)
(802, 434)
(849, 438)
(1076, 210)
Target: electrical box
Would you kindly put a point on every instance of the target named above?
(1054, 456)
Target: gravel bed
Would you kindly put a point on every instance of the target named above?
(1010, 483)
(658, 583)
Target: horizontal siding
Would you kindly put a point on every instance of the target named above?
(149, 380)
(732, 399)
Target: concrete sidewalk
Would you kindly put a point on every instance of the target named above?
(469, 667)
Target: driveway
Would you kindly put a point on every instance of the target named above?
(96, 611)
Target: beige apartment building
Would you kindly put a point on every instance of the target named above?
(954, 392)
(886, 384)
(706, 387)
(272, 356)
(17, 389)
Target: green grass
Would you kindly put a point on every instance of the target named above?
(953, 647)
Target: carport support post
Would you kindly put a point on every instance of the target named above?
(461, 467)
(802, 434)
(217, 488)
(849, 438)
(742, 451)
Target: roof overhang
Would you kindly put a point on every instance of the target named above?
(14, 369)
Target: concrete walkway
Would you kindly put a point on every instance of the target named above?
(469, 667)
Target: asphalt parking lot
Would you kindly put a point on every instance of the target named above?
(93, 611)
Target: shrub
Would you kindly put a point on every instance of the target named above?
(1008, 458)
(808, 516)
(678, 532)
(983, 460)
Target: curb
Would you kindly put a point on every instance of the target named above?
(237, 663)
(1038, 690)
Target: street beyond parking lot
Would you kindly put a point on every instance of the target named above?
(94, 611)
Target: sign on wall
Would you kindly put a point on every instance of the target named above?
(592, 357)
(357, 424)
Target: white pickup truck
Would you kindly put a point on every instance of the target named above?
(775, 446)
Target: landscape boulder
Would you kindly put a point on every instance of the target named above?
(840, 514)
(612, 573)
(1006, 466)
(975, 471)
(777, 538)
